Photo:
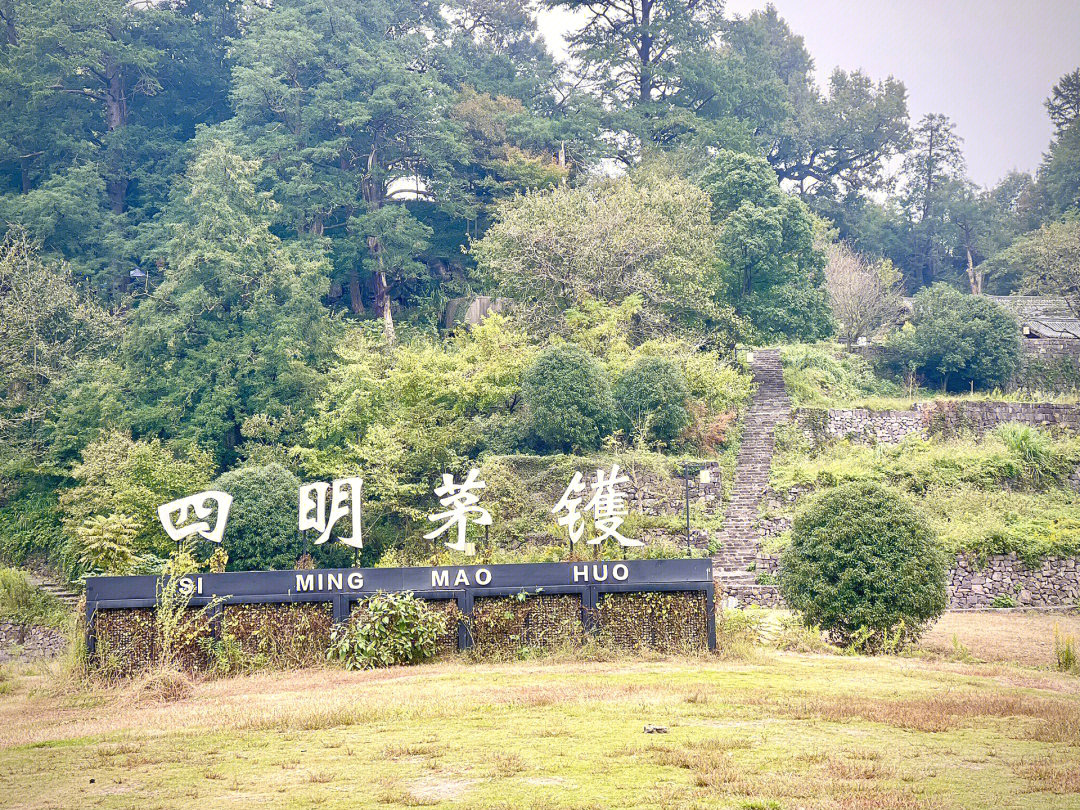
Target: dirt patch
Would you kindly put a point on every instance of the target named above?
(440, 788)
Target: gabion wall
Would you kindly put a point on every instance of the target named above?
(674, 621)
(505, 624)
(298, 634)
(294, 635)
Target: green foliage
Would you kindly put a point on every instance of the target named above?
(987, 496)
(772, 272)
(49, 328)
(650, 397)
(31, 529)
(24, 605)
(107, 543)
(568, 399)
(388, 629)
(822, 376)
(403, 415)
(1066, 658)
(237, 326)
(863, 562)
(957, 340)
(120, 483)
(261, 533)
(1003, 600)
(646, 234)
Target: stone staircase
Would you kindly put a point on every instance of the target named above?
(53, 588)
(733, 567)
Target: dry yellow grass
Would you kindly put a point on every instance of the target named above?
(776, 731)
(1022, 637)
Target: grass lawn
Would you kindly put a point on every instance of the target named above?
(773, 731)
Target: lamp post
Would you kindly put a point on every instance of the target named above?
(704, 478)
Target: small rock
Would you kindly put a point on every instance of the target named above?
(656, 729)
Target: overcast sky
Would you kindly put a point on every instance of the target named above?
(987, 64)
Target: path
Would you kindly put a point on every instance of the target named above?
(741, 535)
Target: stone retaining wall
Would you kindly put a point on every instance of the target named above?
(861, 424)
(1049, 349)
(1054, 582)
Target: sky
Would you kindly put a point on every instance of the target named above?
(987, 64)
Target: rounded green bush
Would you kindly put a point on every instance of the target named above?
(262, 528)
(569, 400)
(864, 566)
(957, 341)
(650, 398)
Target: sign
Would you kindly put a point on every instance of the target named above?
(344, 586)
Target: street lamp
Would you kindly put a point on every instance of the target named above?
(703, 477)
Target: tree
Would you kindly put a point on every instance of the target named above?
(1059, 174)
(1050, 261)
(957, 341)
(1063, 105)
(568, 399)
(49, 327)
(637, 53)
(934, 161)
(863, 565)
(237, 326)
(261, 533)
(650, 398)
(647, 234)
(820, 141)
(864, 297)
(105, 94)
(771, 272)
(120, 483)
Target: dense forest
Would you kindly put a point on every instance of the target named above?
(235, 228)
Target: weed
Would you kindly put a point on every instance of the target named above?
(1065, 659)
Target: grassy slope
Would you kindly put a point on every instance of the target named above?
(777, 731)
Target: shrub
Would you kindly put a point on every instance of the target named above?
(863, 564)
(261, 532)
(957, 340)
(1065, 656)
(30, 528)
(569, 400)
(650, 398)
(387, 629)
(24, 605)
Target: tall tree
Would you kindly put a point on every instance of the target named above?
(237, 327)
(934, 161)
(48, 327)
(1064, 102)
(772, 272)
(637, 54)
(108, 89)
(816, 140)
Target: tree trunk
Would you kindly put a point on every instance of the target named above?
(975, 279)
(356, 303)
(382, 291)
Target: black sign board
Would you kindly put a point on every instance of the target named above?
(344, 586)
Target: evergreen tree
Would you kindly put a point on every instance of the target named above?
(237, 326)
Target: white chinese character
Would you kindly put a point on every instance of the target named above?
(573, 520)
(461, 501)
(344, 500)
(608, 505)
(202, 505)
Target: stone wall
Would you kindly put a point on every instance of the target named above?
(1049, 349)
(889, 427)
(1053, 582)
